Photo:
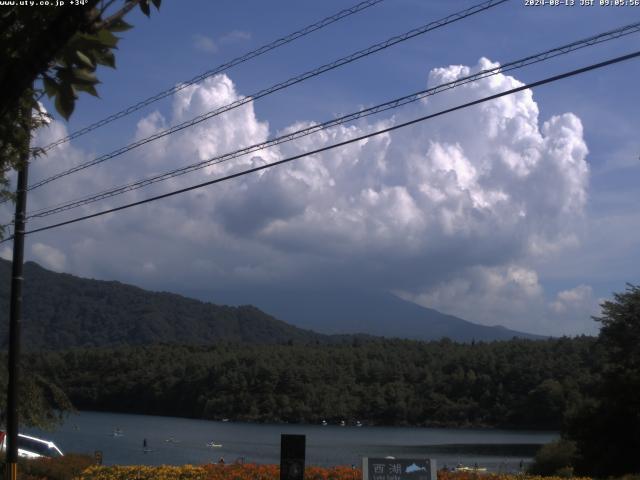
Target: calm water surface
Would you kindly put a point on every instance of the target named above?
(176, 441)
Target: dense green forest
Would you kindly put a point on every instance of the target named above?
(519, 383)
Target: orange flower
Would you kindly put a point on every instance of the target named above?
(264, 472)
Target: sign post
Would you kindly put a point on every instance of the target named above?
(292, 456)
(398, 469)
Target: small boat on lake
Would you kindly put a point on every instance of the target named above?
(211, 444)
(465, 468)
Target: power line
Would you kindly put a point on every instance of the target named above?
(279, 86)
(219, 69)
(346, 142)
(532, 59)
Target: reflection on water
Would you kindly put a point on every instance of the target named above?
(178, 441)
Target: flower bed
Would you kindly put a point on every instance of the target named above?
(213, 472)
(446, 475)
(69, 468)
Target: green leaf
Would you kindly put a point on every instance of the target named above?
(65, 102)
(144, 6)
(33, 103)
(65, 76)
(88, 88)
(106, 57)
(107, 39)
(83, 75)
(50, 86)
(84, 42)
(84, 59)
(120, 26)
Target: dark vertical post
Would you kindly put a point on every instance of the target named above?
(292, 457)
(15, 314)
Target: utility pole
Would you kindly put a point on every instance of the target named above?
(15, 311)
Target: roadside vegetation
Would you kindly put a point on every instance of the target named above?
(58, 469)
(67, 467)
(601, 434)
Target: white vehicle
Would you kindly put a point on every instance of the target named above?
(32, 447)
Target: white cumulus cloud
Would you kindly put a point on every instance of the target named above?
(505, 295)
(49, 257)
(6, 253)
(205, 44)
(572, 310)
(575, 297)
(443, 211)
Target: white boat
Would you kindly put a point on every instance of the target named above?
(324, 423)
(214, 445)
(465, 468)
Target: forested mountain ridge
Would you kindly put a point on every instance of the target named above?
(62, 311)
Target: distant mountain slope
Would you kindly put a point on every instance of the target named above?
(374, 313)
(61, 311)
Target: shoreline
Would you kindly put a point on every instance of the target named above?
(365, 423)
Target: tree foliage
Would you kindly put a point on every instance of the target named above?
(42, 404)
(386, 382)
(554, 459)
(52, 51)
(606, 428)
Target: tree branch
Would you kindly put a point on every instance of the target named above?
(103, 7)
(106, 23)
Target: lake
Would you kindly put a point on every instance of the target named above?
(176, 441)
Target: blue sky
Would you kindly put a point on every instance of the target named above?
(544, 272)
